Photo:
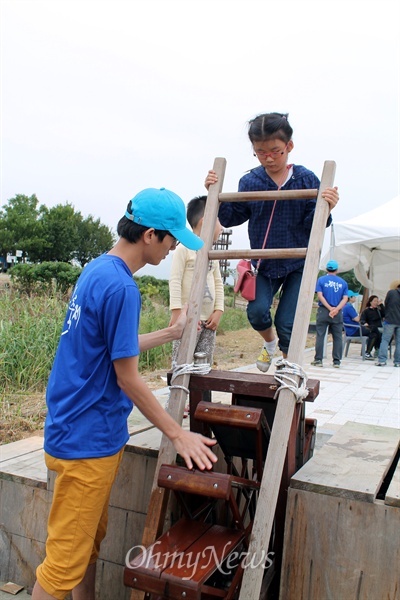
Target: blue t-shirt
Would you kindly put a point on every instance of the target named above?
(333, 289)
(87, 411)
(349, 312)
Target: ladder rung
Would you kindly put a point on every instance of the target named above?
(276, 195)
(268, 253)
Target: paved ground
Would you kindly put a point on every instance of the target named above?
(359, 391)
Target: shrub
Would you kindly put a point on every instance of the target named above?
(44, 278)
(153, 288)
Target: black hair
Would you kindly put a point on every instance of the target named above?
(370, 299)
(269, 126)
(195, 210)
(132, 232)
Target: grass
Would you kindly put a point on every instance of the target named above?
(30, 328)
(29, 331)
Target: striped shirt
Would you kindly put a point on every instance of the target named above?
(291, 223)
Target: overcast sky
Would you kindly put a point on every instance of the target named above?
(100, 99)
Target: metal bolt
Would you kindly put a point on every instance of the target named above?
(183, 594)
(248, 416)
(215, 485)
(169, 477)
(135, 580)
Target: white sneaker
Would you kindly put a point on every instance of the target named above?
(264, 361)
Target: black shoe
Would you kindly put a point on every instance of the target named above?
(336, 364)
(368, 356)
(317, 363)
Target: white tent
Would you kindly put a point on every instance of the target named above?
(369, 244)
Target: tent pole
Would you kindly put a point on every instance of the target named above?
(332, 245)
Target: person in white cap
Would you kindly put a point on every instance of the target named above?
(332, 292)
(93, 386)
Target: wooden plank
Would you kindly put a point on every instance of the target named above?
(146, 442)
(229, 415)
(214, 485)
(20, 448)
(203, 558)
(251, 253)
(145, 571)
(275, 460)
(247, 384)
(392, 497)
(178, 397)
(352, 464)
(29, 469)
(339, 549)
(254, 196)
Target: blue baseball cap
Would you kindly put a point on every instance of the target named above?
(164, 210)
(332, 265)
(350, 294)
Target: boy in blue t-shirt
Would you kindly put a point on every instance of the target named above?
(332, 292)
(93, 386)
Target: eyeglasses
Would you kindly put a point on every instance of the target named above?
(274, 154)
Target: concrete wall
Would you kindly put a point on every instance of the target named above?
(25, 499)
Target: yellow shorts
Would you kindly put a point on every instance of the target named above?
(77, 521)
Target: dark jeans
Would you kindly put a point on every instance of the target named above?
(325, 323)
(259, 311)
(374, 336)
(374, 339)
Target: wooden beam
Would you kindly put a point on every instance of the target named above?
(269, 253)
(248, 384)
(255, 196)
(274, 464)
(159, 496)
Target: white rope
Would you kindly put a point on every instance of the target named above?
(284, 369)
(197, 369)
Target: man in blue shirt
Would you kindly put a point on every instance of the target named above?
(93, 386)
(332, 292)
(351, 318)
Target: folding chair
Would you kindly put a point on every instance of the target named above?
(355, 339)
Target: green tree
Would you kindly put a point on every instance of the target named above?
(20, 228)
(61, 227)
(93, 239)
(58, 234)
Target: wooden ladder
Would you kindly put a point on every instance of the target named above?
(274, 464)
